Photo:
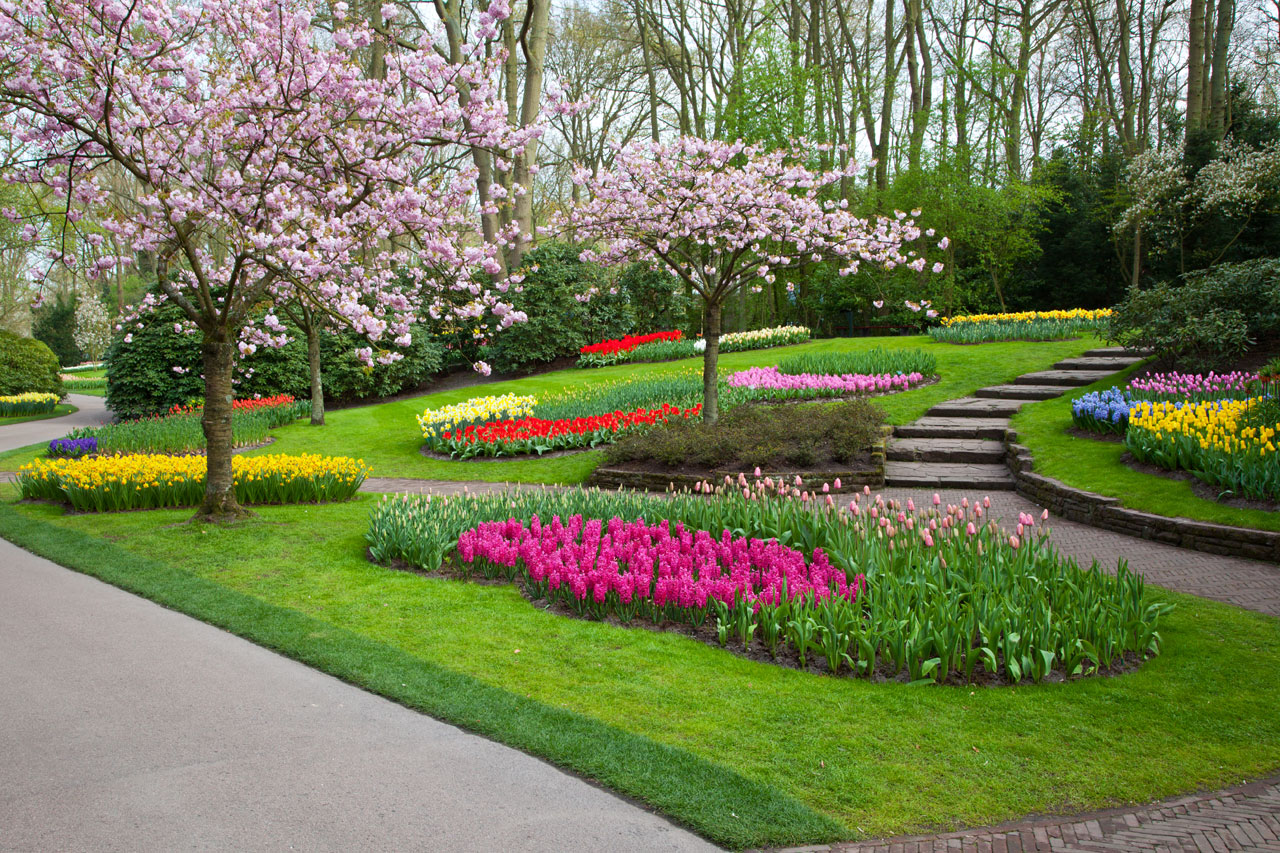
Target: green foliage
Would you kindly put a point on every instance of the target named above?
(141, 380)
(176, 433)
(27, 365)
(1208, 321)
(559, 324)
(54, 323)
(657, 299)
(875, 361)
(1038, 329)
(770, 437)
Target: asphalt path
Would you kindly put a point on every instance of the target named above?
(92, 411)
(126, 726)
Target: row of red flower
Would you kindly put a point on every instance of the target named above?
(539, 435)
(629, 342)
(247, 405)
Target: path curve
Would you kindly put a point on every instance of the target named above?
(131, 727)
(92, 411)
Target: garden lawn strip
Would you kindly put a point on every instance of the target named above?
(58, 411)
(879, 758)
(713, 800)
(1097, 466)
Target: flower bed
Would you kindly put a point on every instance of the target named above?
(779, 336)
(1224, 443)
(1020, 326)
(477, 410)
(768, 383)
(279, 409)
(615, 351)
(872, 361)
(1193, 386)
(146, 481)
(31, 403)
(514, 437)
(930, 594)
(178, 433)
(71, 448)
(1103, 411)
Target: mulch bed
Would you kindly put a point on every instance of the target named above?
(444, 457)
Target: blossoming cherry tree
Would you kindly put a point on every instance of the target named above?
(726, 215)
(270, 168)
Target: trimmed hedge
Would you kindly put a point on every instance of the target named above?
(27, 365)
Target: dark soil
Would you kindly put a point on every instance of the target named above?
(859, 461)
(444, 457)
(756, 651)
(1199, 487)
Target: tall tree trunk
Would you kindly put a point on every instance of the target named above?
(313, 367)
(220, 502)
(1218, 70)
(535, 52)
(710, 362)
(1195, 68)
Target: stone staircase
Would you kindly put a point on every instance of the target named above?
(960, 443)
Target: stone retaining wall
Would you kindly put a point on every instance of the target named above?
(1107, 513)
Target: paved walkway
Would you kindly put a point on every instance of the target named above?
(91, 412)
(130, 727)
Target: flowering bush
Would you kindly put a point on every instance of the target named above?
(537, 435)
(1020, 326)
(1103, 411)
(779, 336)
(31, 403)
(144, 481)
(1193, 386)
(1219, 442)
(73, 447)
(769, 383)
(872, 587)
(477, 410)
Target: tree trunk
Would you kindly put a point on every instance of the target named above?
(1218, 69)
(317, 383)
(219, 488)
(539, 19)
(710, 359)
(1195, 68)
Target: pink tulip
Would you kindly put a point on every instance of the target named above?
(757, 470)
(1013, 542)
(911, 505)
(1044, 516)
(937, 499)
(970, 529)
(837, 484)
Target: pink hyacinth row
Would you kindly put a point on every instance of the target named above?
(1191, 384)
(659, 564)
(850, 383)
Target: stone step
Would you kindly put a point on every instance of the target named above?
(1098, 363)
(1021, 392)
(1068, 378)
(1107, 352)
(958, 475)
(945, 450)
(936, 427)
(976, 407)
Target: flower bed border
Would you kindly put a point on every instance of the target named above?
(1108, 513)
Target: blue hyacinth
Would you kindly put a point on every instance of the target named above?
(1103, 411)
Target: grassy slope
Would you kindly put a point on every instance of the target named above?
(1096, 466)
(387, 436)
(878, 758)
(76, 388)
(58, 411)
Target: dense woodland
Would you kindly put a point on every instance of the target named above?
(1069, 149)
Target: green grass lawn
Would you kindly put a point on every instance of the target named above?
(387, 436)
(94, 384)
(743, 752)
(58, 411)
(1095, 466)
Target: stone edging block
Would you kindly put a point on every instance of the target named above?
(1108, 513)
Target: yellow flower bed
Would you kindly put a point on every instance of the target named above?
(30, 403)
(149, 481)
(1223, 442)
(477, 410)
(1030, 316)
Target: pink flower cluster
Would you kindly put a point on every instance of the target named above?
(1186, 386)
(848, 383)
(623, 562)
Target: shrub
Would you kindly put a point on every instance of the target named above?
(657, 298)
(1208, 321)
(27, 365)
(54, 323)
(752, 436)
(141, 379)
(346, 378)
(560, 323)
